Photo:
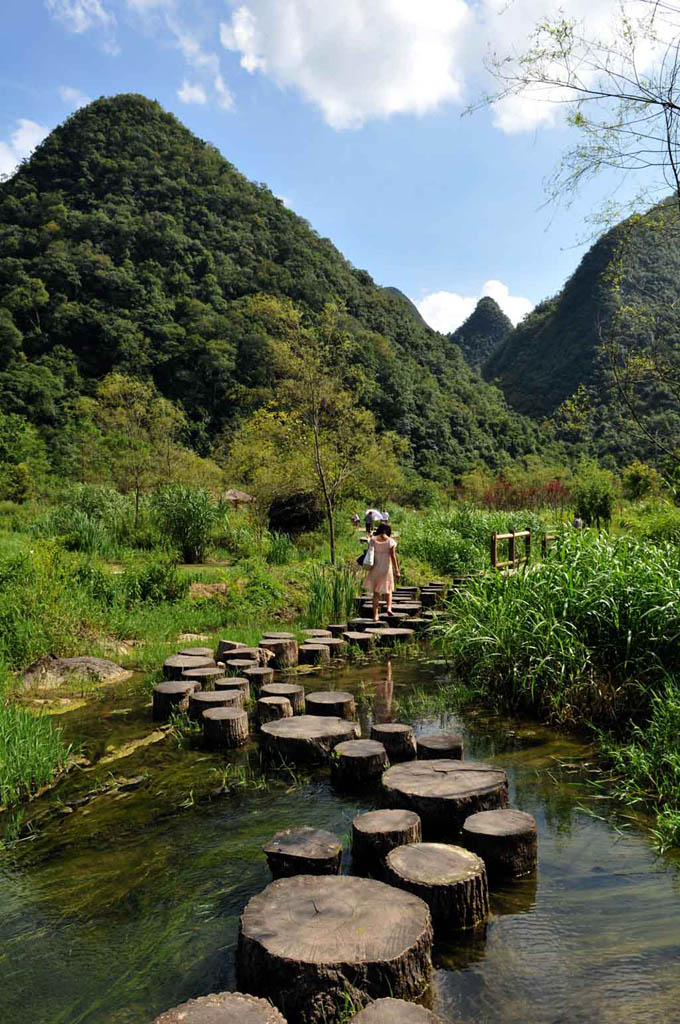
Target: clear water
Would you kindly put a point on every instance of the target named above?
(117, 905)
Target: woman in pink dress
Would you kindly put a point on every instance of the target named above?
(380, 578)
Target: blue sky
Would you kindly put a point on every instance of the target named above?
(351, 112)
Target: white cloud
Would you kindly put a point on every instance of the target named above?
(205, 63)
(22, 141)
(81, 16)
(74, 97)
(192, 93)
(445, 311)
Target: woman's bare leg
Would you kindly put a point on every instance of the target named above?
(376, 605)
(388, 598)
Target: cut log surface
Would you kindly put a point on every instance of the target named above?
(313, 654)
(225, 727)
(177, 663)
(201, 701)
(305, 739)
(398, 740)
(307, 942)
(197, 652)
(316, 632)
(259, 675)
(445, 792)
(279, 636)
(450, 879)
(506, 840)
(240, 664)
(335, 644)
(375, 833)
(223, 1008)
(206, 676)
(360, 625)
(257, 654)
(294, 693)
(234, 683)
(335, 703)
(408, 607)
(388, 637)
(446, 745)
(284, 651)
(357, 764)
(338, 628)
(417, 624)
(362, 640)
(303, 851)
(170, 696)
(395, 1011)
(225, 647)
(271, 709)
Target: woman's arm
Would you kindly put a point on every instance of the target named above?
(395, 563)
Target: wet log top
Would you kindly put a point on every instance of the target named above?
(177, 663)
(196, 652)
(395, 1011)
(434, 863)
(311, 727)
(503, 822)
(306, 843)
(442, 746)
(445, 778)
(223, 1008)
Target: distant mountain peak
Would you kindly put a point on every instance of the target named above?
(483, 332)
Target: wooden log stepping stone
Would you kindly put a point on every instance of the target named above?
(395, 1011)
(506, 840)
(305, 739)
(202, 700)
(417, 624)
(308, 942)
(271, 709)
(451, 880)
(224, 728)
(225, 647)
(338, 628)
(445, 792)
(177, 663)
(362, 640)
(278, 636)
(257, 654)
(171, 696)
(357, 764)
(294, 693)
(336, 645)
(375, 833)
(313, 654)
(284, 651)
(334, 703)
(437, 584)
(239, 665)
(361, 624)
(429, 598)
(395, 620)
(259, 675)
(388, 637)
(397, 739)
(197, 652)
(303, 851)
(447, 745)
(223, 1008)
(206, 675)
(316, 632)
(234, 683)
(407, 607)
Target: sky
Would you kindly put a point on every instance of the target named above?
(352, 111)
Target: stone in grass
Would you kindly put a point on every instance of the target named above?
(303, 851)
(311, 633)
(309, 942)
(375, 833)
(223, 1008)
(235, 683)
(445, 792)
(398, 740)
(294, 693)
(178, 663)
(304, 739)
(451, 880)
(201, 701)
(225, 728)
(506, 840)
(171, 696)
(334, 703)
(395, 1011)
(357, 765)
(206, 676)
(259, 675)
(271, 709)
(313, 654)
(446, 745)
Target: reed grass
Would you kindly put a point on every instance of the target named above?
(330, 595)
(32, 753)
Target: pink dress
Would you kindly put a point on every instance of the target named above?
(380, 579)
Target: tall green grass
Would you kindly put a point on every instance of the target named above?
(331, 593)
(32, 753)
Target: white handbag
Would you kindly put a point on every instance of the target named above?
(370, 556)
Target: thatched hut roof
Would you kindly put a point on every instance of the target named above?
(238, 497)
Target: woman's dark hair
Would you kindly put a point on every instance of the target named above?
(384, 529)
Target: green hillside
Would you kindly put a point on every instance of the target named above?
(128, 244)
(483, 332)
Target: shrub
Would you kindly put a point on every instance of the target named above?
(154, 582)
(594, 496)
(186, 517)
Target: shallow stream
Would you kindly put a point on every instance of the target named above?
(122, 896)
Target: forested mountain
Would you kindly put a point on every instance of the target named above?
(483, 332)
(128, 244)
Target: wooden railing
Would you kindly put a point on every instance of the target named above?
(514, 558)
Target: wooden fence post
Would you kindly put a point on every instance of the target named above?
(511, 549)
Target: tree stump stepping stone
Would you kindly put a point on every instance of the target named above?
(429, 598)
(224, 728)
(271, 709)
(361, 624)
(357, 764)
(451, 880)
(308, 941)
(201, 701)
(225, 647)
(313, 654)
(417, 624)
(445, 792)
(391, 635)
(259, 675)
(335, 644)
(338, 628)
(364, 641)
(334, 703)
(506, 840)
(397, 739)
(437, 585)
(171, 696)
(240, 665)
(206, 675)
(395, 1011)
(375, 833)
(278, 636)
(305, 739)
(303, 851)
(316, 632)
(256, 654)
(407, 607)
(197, 652)
(294, 693)
(234, 683)
(446, 745)
(177, 663)
(394, 619)
(223, 1008)
(284, 651)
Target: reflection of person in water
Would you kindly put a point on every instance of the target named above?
(384, 692)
